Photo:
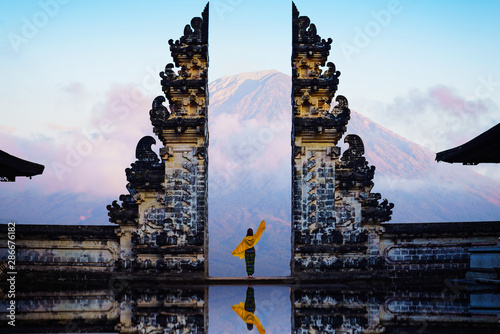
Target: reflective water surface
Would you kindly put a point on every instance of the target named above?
(136, 307)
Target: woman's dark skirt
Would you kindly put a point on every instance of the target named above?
(250, 260)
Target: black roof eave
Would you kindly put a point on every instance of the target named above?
(484, 148)
(11, 166)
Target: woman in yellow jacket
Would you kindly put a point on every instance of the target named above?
(246, 248)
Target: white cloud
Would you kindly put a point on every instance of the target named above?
(438, 118)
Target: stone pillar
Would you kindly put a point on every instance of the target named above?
(331, 199)
(168, 194)
(315, 132)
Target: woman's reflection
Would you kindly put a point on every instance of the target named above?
(246, 312)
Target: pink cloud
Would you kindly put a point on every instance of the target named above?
(437, 118)
(448, 99)
(91, 159)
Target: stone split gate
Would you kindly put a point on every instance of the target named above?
(338, 226)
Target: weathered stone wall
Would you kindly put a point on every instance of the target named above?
(414, 250)
(58, 251)
(167, 230)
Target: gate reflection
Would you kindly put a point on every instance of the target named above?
(134, 307)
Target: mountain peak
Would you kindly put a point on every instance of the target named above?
(240, 77)
(248, 94)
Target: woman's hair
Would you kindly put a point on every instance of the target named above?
(249, 232)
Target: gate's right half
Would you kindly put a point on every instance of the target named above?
(335, 217)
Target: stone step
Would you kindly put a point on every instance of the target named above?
(286, 280)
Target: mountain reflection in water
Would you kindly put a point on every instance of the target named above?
(135, 307)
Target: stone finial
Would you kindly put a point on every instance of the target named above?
(356, 149)
(305, 32)
(194, 39)
(143, 151)
(158, 113)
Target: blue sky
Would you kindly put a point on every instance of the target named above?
(62, 60)
(96, 44)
